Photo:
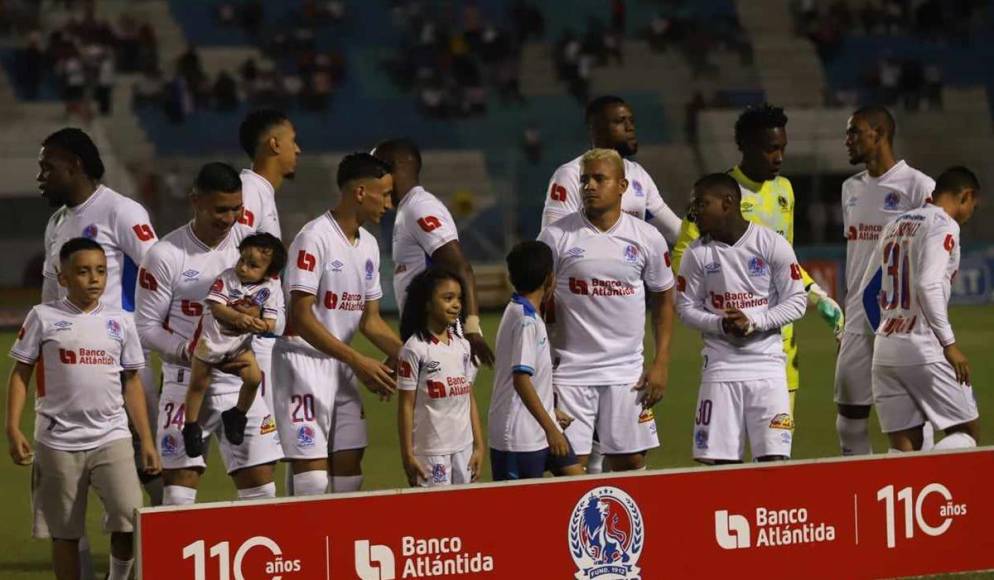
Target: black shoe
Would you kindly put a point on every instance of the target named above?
(193, 439)
(234, 425)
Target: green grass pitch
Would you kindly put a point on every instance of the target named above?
(25, 558)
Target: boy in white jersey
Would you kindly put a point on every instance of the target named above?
(526, 439)
(88, 355)
(739, 284)
(870, 199)
(333, 282)
(424, 234)
(173, 280)
(268, 137)
(441, 438)
(919, 372)
(611, 125)
(226, 330)
(70, 169)
(605, 262)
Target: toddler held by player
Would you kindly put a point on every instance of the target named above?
(441, 438)
(242, 302)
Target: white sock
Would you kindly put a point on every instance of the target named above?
(893, 451)
(85, 559)
(153, 488)
(595, 461)
(120, 569)
(178, 495)
(310, 483)
(957, 440)
(264, 491)
(345, 483)
(928, 436)
(854, 435)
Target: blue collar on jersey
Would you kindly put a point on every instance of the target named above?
(519, 299)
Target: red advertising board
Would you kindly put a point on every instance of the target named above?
(855, 518)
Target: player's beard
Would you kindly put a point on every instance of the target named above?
(626, 149)
(291, 175)
(54, 200)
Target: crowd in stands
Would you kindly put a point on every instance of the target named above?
(890, 80)
(695, 36)
(293, 71)
(454, 58)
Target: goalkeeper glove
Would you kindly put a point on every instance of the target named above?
(828, 309)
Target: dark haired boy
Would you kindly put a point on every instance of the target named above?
(526, 439)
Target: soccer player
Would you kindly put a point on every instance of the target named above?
(174, 279)
(333, 282)
(441, 438)
(225, 331)
(611, 125)
(606, 262)
(919, 372)
(526, 439)
(424, 233)
(268, 138)
(871, 198)
(88, 355)
(768, 200)
(739, 284)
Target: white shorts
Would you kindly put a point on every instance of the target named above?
(729, 413)
(317, 405)
(263, 349)
(451, 469)
(215, 353)
(853, 370)
(614, 412)
(907, 396)
(261, 444)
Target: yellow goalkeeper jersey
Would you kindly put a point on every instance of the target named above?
(769, 204)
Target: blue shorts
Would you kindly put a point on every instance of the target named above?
(508, 465)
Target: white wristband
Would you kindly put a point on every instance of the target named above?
(472, 325)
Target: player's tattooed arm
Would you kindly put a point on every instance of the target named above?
(377, 376)
(654, 380)
(379, 332)
(450, 257)
(17, 394)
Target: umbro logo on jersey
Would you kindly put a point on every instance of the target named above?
(336, 266)
(433, 367)
(191, 275)
(712, 268)
(63, 325)
(575, 252)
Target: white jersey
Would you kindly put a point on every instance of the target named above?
(341, 275)
(227, 289)
(868, 203)
(641, 199)
(259, 204)
(758, 275)
(522, 347)
(423, 225)
(598, 320)
(120, 225)
(173, 282)
(919, 254)
(80, 402)
(442, 375)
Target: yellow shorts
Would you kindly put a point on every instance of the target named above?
(790, 348)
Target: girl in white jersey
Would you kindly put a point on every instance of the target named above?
(243, 302)
(441, 438)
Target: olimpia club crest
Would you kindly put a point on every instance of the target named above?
(606, 535)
